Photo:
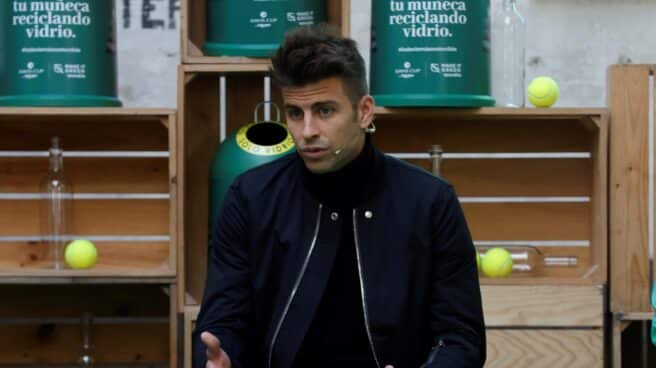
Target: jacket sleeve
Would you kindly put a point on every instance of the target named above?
(227, 301)
(456, 309)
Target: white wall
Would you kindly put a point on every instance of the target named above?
(574, 41)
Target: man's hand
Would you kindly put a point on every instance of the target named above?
(216, 357)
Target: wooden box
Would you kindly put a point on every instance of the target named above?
(122, 164)
(132, 325)
(206, 117)
(193, 26)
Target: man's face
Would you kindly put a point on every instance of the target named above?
(327, 130)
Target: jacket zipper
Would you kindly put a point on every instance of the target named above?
(296, 284)
(436, 349)
(362, 292)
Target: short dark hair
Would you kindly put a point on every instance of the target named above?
(310, 54)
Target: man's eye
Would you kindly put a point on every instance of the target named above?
(325, 112)
(294, 113)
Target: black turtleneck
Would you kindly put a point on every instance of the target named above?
(337, 336)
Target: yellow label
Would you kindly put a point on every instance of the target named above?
(244, 143)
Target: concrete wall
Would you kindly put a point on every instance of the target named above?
(573, 41)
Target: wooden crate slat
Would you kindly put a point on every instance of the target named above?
(541, 306)
(112, 256)
(81, 133)
(545, 348)
(71, 301)
(111, 175)
(470, 135)
(60, 344)
(93, 217)
(629, 183)
(528, 221)
(516, 177)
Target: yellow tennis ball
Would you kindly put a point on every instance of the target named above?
(542, 91)
(81, 254)
(478, 260)
(497, 262)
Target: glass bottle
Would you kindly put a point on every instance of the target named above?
(56, 194)
(507, 54)
(87, 352)
(530, 261)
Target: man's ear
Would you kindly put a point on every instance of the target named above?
(366, 111)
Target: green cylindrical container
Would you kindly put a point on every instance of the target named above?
(57, 53)
(431, 53)
(252, 145)
(255, 27)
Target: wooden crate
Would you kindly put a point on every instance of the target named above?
(193, 31)
(554, 197)
(126, 205)
(631, 188)
(525, 176)
(132, 324)
(199, 102)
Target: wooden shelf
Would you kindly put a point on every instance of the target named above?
(122, 164)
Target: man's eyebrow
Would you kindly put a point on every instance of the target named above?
(323, 103)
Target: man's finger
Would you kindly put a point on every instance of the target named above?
(213, 344)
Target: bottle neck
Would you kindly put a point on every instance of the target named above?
(56, 161)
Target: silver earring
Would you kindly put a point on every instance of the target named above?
(371, 129)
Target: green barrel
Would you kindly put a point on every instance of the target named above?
(57, 53)
(255, 27)
(252, 145)
(431, 53)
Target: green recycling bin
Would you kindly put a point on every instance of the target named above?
(57, 53)
(250, 146)
(431, 53)
(255, 28)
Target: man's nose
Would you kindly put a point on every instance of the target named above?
(310, 128)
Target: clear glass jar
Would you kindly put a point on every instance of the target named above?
(507, 54)
(56, 206)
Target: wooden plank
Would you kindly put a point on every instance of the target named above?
(92, 217)
(113, 258)
(190, 315)
(516, 177)
(201, 136)
(492, 112)
(528, 221)
(60, 344)
(616, 353)
(599, 204)
(471, 134)
(173, 326)
(71, 301)
(89, 175)
(545, 348)
(83, 133)
(628, 99)
(174, 193)
(542, 306)
(108, 113)
(181, 187)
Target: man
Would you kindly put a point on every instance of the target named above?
(338, 256)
